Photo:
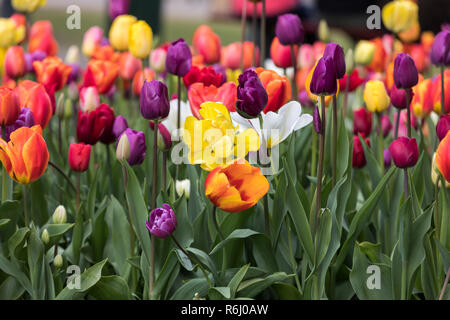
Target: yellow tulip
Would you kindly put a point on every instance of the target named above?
(214, 140)
(364, 52)
(28, 5)
(140, 39)
(2, 60)
(7, 32)
(375, 96)
(119, 32)
(400, 15)
(233, 75)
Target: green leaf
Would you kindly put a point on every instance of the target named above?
(219, 293)
(9, 268)
(187, 290)
(253, 287)
(236, 280)
(111, 288)
(286, 291)
(56, 231)
(167, 274)
(4, 222)
(35, 250)
(236, 234)
(11, 289)
(323, 236)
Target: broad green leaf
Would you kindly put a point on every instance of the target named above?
(251, 288)
(110, 288)
(219, 293)
(236, 234)
(237, 279)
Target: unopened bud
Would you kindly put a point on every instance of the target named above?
(123, 148)
(60, 104)
(68, 109)
(45, 237)
(72, 55)
(324, 31)
(349, 62)
(60, 215)
(58, 261)
(72, 91)
(183, 186)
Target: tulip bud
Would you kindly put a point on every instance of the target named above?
(398, 97)
(60, 105)
(289, 29)
(162, 222)
(404, 152)
(406, 75)
(45, 237)
(119, 126)
(375, 96)
(324, 31)
(336, 52)
(440, 51)
(72, 91)
(358, 156)
(123, 148)
(58, 261)
(443, 126)
(15, 64)
(72, 55)
(158, 59)
(183, 186)
(140, 39)
(154, 100)
(364, 52)
(178, 58)
(59, 215)
(323, 81)
(387, 158)
(349, 62)
(252, 98)
(120, 30)
(79, 156)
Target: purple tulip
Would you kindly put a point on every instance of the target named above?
(406, 75)
(404, 152)
(162, 222)
(317, 121)
(443, 126)
(304, 99)
(25, 119)
(323, 80)
(440, 51)
(136, 139)
(289, 29)
(251, 96)
(32, 57)
(178, 58)
(75, 73)
(119, 126)
(154, 100)
(336, 52)
(387, 158)
(398, 97)
(118, 7)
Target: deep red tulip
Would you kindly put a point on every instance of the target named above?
(358, 157)
(96, 125)
(404, 152)
(79, 156)
(362, 122)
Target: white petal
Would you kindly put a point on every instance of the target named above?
(284, 122)
(303, 121)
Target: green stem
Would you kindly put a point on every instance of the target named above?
(442, 91)
(404, 287)
(321, 157)
(4, 185)
(335, 133)
(380, 142)
(108, 163)
(397, 123)
(266, 214)
(294, 65)
(62, 173)
(164, 171)
(25, 206)
(178, 120)
(153, 204)
(347, 86)
(291, 253)
(405, 182)
(216, 224)
(408, 110)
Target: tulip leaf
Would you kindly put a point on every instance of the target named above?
(35, 251)
(236, 234)
(286, 291)
(237, 279)
(13, 270)
(166, 276)
(343, 149)
(111, 288)
(190, 288)
(4, 222)
(251, 288)
(219, 293)
(11, 289)
(56, 231)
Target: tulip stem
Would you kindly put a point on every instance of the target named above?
(380, 142)
(193, 258)
(155, 172)
(164, 171)
(405, 182)
(263, 33)
(243, 23)
(397, 123)
(216, 223)
(77, 199)
(347, 86)
(25, 205)
(320, 170)
(61, 172)
(108, 163)
(294, 65)
(60, 137)
(442, 91)
(408, 110)
(254, 35)
(335, 133)
(447, 277)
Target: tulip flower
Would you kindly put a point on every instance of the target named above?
(231, 55)
(8, 34)
(404, 152)
(278, 89)
(178, 58)
(235, 187)
(34, 96)
(120, 30)
(41, 38)
(15, 65)
(119, 126)
(106, 53)
(399, 15)
(134, 148)
(207, 44)
(215, 140)
(30, 58)
(251, 94)
(158, 59)
(276, 126)
(140, 39)
(435, 173)
(59, 215)
(406, 75)
(101, 74)
(154, 100)
(27, 5)
(25, 119)
(199, 93)
(306, 56)
(281, 55)
(358, 157)
(438, 97)
(79, 156)
(420, 57)
(323, 81)
(118, 7)
(440, 51)
(362, 122)
(443, 157)
(375, 96)
(336, 52)
(162, 222)
(9, 106)
(25, 157)
(206, 75)
(364, 52)
(398, 97)
(289, 29)
(89, 99)
(183, 187)
(95, 125)
(128, 65)
(443, 126)
(219, 69)
(140, 77)
(380, 58)
(422, 101)
(52, 73)
(91, 40)
(353, 83)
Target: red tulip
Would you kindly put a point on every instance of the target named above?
(79, 156)
(34, 96)
(41, 38)
(362, 122)
(404, 152)
(207, 76)
(355, 81)
(207, 44)
(96, 125)
(199, 93)
(358, 157)
(102, 74)
(15, 65)
(281, 55)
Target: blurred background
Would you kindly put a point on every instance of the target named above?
(172, 19)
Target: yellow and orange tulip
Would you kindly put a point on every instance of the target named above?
(25, 157)
(34, 96)
(437, 93)
(422, 102)
(9, 106)
(443, 157)
(278, 89)
(52, 73)
(235, 187)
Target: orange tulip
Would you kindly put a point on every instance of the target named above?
(52, 73)
(41, 38)
(410, 35)
(281, 55)
(25, 156)
(301, 76)
(443, 157)
(231, 55)
(379, 57)
(34, 96)
(207, 44)
(235, 187)
(426, 40)
(139, 77)
(278, 89)
(102, 74)
(199, 93)
(15, 65)
(9, 106)
(128, 65)
(422, 102)
(437, 93)
(105, 53)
